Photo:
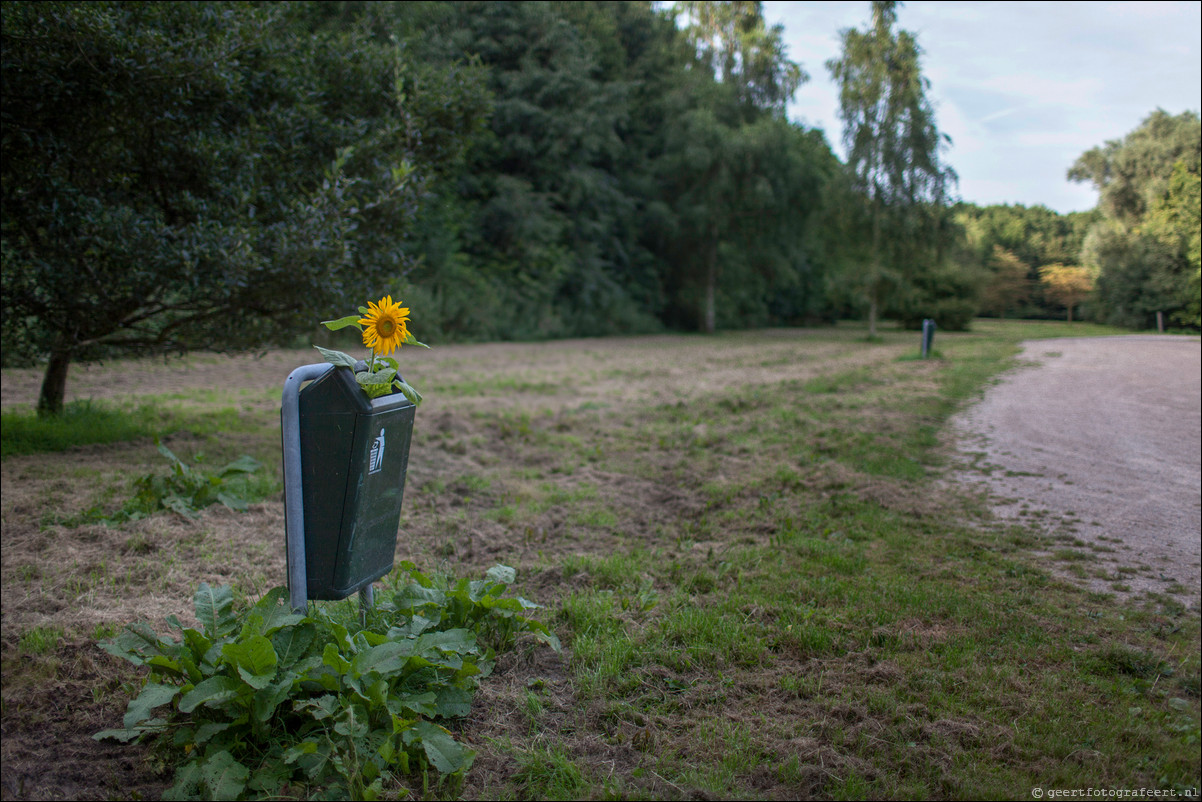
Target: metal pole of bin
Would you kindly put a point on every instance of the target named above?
(294, 497)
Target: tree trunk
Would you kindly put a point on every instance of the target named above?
(710, 323)
(874, 279)
(54, 384)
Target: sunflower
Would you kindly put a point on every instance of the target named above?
(385, 326)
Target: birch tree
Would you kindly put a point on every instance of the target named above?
(892, 145)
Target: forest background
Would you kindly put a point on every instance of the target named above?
(213, 175)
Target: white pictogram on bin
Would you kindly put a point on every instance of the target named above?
(377, 455)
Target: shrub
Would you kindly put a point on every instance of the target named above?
(268, 702)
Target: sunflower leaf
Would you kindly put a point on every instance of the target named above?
(376, 384)
(411, 340)
(343, 322)
(337, 357)
(413, 395)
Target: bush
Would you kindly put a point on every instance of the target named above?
(267, 702)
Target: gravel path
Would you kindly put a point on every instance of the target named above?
(1100, 439)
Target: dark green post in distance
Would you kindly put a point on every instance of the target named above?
(928, 336)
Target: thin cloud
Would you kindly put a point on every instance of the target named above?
(1041, 82)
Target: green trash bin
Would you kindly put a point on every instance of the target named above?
(354, 454)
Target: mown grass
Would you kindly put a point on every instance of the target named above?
(766, 591)
(204, 413)
(80, 423)
(830, 622)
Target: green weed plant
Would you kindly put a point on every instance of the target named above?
(266, 702)
(188, 490)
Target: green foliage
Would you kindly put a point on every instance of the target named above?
(1006, 244)
(375, 380)
(515, 170)
(187, 490)
(200, 174)
(893, 160)
(1145, 249)
(265, 701)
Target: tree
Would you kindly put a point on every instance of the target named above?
(892, 146)
(1143, 247)
(733, 41)
(710, 146)
(1009, 286)
(1066, 284)
(188, 175)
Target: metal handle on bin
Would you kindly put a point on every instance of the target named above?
(294, 498)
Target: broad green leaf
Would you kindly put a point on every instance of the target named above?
(207, 730)
(244, 464)
(379, 377)
(223, 776)
(377, 693)
(321, 708)
(413, 395)
(442, 750)
(352, 722)
(233, 502)
(415, 595)
(334, 660)
(276, 611)
(343, 322)
(291, 643)
(180, 467)
(416, 625)
(181, 505)
(254, 658)
(265, 701)
(414, 704)
(187, 782)
(453, 641)
(137, 642)
(411, 340)
(502, 573)
(166, 665)
(152, 695)
(337, 358)
(212, 691)
(386, 659)
(214, 609)
(124, 736)
(453, 703)
(312, 760)
(298, 751)
(550, 639)
(376, 384)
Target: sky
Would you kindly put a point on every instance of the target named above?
(1022, 88)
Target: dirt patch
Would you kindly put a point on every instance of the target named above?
(50, 715)
(1097, 441)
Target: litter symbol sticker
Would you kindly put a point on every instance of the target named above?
(376, 462)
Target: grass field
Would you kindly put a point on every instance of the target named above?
(765, 586)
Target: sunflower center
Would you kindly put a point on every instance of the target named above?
(386, 327)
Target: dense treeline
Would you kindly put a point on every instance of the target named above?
(626, 181)
(223, 175)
